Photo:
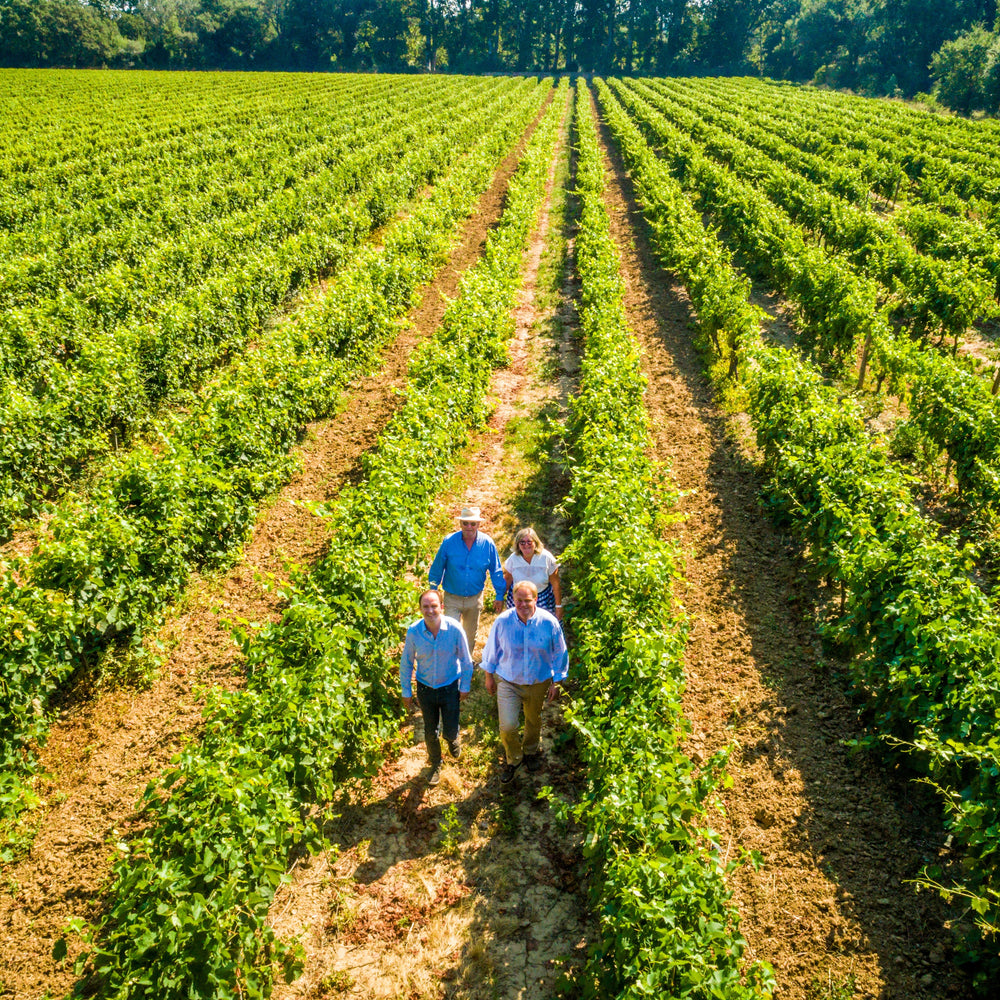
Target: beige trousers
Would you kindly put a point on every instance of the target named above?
(511, 698)
(467, 610)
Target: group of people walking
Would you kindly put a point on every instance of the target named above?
(524, 660)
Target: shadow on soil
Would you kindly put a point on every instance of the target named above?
(521, 866)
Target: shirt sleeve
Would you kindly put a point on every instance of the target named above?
(436, 572)
(496, 574)
(551, 563)
(491, 651)
(560, 655)
(406, 667)
(509, 564)
(465, 665)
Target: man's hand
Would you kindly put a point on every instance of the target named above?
(462, 695)
(553, 692)
(497, 606)
(491, 683)
(408, 702)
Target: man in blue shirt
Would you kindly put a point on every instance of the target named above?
(436, 647)
(463, 561)
(526, 651)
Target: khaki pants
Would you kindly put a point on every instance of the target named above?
(511, 698)
(467, 610)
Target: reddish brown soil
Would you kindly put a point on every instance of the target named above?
(838, 836)
(107, 746)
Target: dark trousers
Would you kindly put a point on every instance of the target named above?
(440, 710)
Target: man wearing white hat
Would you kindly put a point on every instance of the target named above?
(463, 561)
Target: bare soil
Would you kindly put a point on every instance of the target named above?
(838, 835)
(457, 890)
(462, 889)
(107, 745)
(980, 342)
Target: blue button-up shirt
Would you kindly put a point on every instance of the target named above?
(526, 652)
(439, 659)
(462, 571)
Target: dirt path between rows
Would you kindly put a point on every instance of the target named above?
(106, 748)
(461, 890)
(828, 908)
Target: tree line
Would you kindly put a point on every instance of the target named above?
(892, 47)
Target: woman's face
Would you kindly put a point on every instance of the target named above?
(526, 547)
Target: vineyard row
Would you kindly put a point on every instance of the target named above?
(922, 636)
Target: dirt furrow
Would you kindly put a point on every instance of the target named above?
(108, 745)
(458, 890)
(837, 835)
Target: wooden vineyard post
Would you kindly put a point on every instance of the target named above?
(864, 360)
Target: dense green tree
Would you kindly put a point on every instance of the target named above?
(56, 33)
(311, 36)
(23, 33)
(875, 46)
(171, 39)
(727, 36)
(236, 33)
(965, 71)
(824, 39)
(380, 36)
(903, 37)
(677, 34)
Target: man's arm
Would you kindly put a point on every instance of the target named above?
(560, 655)
(491, 657)
(495, 569)
(406, 671)
(465, 665)
(436, 573)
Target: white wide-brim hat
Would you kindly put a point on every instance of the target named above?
(470, 514)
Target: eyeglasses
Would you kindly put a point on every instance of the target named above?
(526, 541)
(468, 524)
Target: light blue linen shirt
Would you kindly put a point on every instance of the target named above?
(526, 652)
(439, 659)
(461, 571)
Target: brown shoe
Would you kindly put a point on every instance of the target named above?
(507, 772)
(533, 762)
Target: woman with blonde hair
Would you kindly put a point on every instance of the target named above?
(530, 560)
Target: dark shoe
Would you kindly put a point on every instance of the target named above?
(455, 748)
(533, 762)
(507, 772)
(435, 774)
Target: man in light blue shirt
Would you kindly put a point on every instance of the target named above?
(525, 660)
(436, 648)
(463, 561)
